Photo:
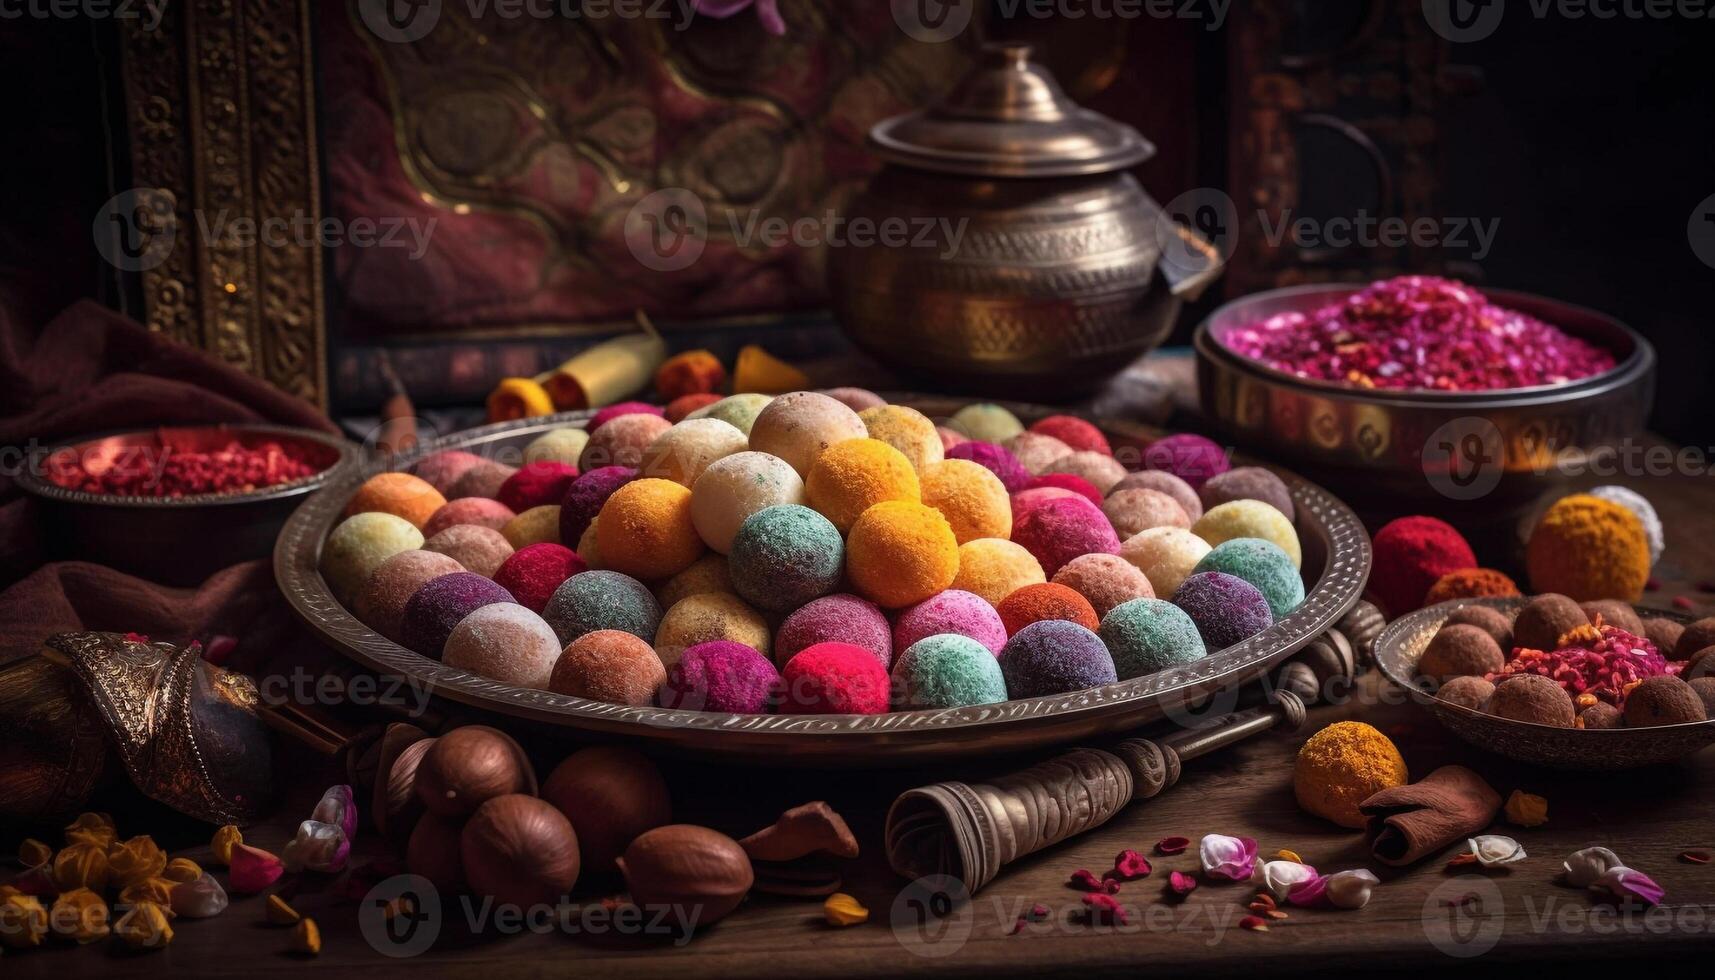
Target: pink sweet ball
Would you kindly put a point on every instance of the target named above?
(536, 485)
(1036, 451)
(953, 611)
(1106, 580)
(585, 496)
(608, 414)
(479, 549)
(721, 675)
(1192, 458)
(1025, 500)
(841, 617)
(1066, 481)
(1167, 483)
(997, 460)
(950, 438)
(1102, 471)
(834, 679)
(480, 511)
(856, 399)
(1132, 511)
(444, 468)
(621, 441)
(482, 480)
(1057, 531)
(506, 643)
(380, 605)
(534, 572)
(1074, 432)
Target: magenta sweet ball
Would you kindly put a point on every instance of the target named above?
(953, 611)
(612, 412)
(836, 618)
(1066, 481)
(442, 470)
(537, 485)
(1192, 458)
(585, 496)
(441, 604)
(723, 676)
(1057, 531)
(481, 511)
(535, 572)
(995, 459)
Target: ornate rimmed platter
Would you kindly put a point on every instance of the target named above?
(1336, 562)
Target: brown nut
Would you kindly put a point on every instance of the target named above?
(611, 795)
(393, 804)
(520, 851)
(433, 852)
(698, 874)
(469, 766)
(809, 829)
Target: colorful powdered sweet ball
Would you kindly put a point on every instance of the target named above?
(947, 671)
(1106, 581)
(949, 438)
(443, 469)
(1035, 603)
(621, 409)
(1262, 564)
(1149, 635)
(1135, 511)
(469, 510)
(1190, 457)
(399, 494)
(1055, 657)
(680, 408)
(683, 452)
(482, 480)
(986, 423)
(835, 618)
(852, 476)
(380, 604)
(834, 679)
(1036, 452)
(1226, 608)
(1589, 548)
(800, 426)
(953, 611)
(479, 549)
(1251, 519)
(858, 400)
(1642, 509)
(1165, 555)
(1471, 583)
(784, 556)
(900, 553)
(535, 572)
(1248, 483)
(1343, 765)
(587, 549)
(1074, 432)
(436, 608)
(602, 600)
(1544, 620)
(737, 486)
(535, 526)
(1533, 698)
(610, 666)
(1166, 483)
(506, 643)
(1460, 651)
(1058, 531)
(692, 372)
(1410, 554)
(1491, 621)
(584, 499)
(907, 430)
(996, 460)
(1066, 481)
(358, 546)
(721, 676)
(707, 574)
(1102, 471)
(646, 530)
(1024, 501)
(536, 484)
(739, 411)
(708, 617)
(621, 441)
(994, 568)
(972, 499)
(557, 446)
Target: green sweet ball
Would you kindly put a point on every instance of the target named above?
(738, 411)
(784, 556)
(1262, 564)
(1147, 635)
(947, 671)
(358, 546)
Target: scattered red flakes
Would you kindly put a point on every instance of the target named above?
(1105, 910)
(1275, 914)
(1467, 900)
(137, 638)
(1129, 866)
(170, 472)
(1460, 860)
(1181, 883)
(1695, 857)
(219, 649)
(1652, 584)
(1264, 899)
(1037, 913)
(1683, 602)
(1084, 880)
(1170, 846)
(1017, 927)
(1254, 923)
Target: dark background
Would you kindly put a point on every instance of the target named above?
(1592, 141)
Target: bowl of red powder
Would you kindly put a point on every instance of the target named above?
(1421, 388)
(176, 504)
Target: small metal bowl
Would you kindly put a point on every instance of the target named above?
(1399, 646)
(183, 540)
(1394, 452)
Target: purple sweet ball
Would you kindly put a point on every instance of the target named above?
(1226, 608)
(952, 611)
(441, 604)
(1057, 531)
(721, 675)
(996, 460)
(836, 618)
(585, 496)
(1192, 458)
(1053, 656)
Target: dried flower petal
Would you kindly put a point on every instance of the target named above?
(1084, 880)
(135, 860)
(81, 865)
(181, 870)
(23, 921)
(199, 899)
(1494, 851)
(338, 807)
(306, 938)
(1350, 889)
(318, 846)
(1695, 857)
(279, 912)
(1037, 913)
(144, 926)
(33, 853)
(1181, 883)
(224, 840)
(1526, 809)
(1130, 866)
(1285, 855)
(1254, 923)
(1310, 894)
(1585, 868)
(1169, 846)
(1232, 858)
(1281, 876)
(841, 909)
(92, 828)
(79, 916)
(1626, 884)
(253, 869)
(1105, 910)
(157, 890)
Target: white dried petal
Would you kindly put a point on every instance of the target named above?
(1584, 868)
(1494, 850)
(1280, 876)
(1350, 889)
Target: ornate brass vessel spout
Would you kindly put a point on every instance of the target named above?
(1004, 249)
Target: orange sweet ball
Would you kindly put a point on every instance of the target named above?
(399, 494)
(645, 530)
(611, 666)
(852, 476)
(995, 568)
(694, 372)
(1035, 603)
(900, 553)
(970, 497)
(1471, 583)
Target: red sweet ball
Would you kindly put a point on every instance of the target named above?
(535, 572)
(834, 679)
(537, 484)
(1074, 432)
(1410, 555)
(684, 405)
(1046, 600)
(1066, 481)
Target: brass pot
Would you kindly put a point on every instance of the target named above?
(1003, 249)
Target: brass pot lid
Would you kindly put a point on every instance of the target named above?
(1009, 118)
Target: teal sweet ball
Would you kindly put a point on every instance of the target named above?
(947, 671)
(602, 600)
(784, 556)
(1262, 564)
(1147, 635)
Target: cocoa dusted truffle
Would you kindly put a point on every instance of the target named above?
(1461, 651)
(1533, 698)
(1614, 613)
(1705, 688)
(1664, 700)
(1697, 636)
(1544, 619)
(1598, 717)
(1664, 633)
(1488, 619)
(1468, 691)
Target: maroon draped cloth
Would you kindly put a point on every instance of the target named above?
(92, 370)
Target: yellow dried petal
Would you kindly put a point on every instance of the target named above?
(1286, 855)
(280, 913)
(157, 890)
(23, 921)
(223, 842)
(92, 828)
(843, 910)
(182, 870)
(79, 916)
(306, 938)
(135, 860)
(33, 853)
(145, 926)
(81, 865)
(1526, 809)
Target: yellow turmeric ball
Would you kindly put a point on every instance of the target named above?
(1343, 765)
(852, 476)
(1589, 548)
(901, 552)
(970, 497)
(399, 494)
(538, 525)
(907, 430)
(707, 617)
(645, 530)
(995, 568)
